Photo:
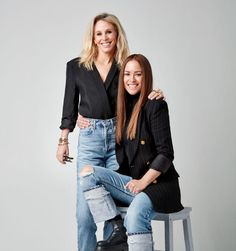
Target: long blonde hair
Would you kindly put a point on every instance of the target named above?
(146, 88)
(89, 51)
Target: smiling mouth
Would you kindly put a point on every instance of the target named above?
(106, 44)
(132, 86)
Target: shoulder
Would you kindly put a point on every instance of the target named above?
(74, 63)
(155, 105)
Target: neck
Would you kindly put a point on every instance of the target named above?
(104, 59)
(131, 100)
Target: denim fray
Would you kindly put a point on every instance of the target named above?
(141, 242)
(100, 204)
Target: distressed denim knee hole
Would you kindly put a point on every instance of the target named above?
(86, 170)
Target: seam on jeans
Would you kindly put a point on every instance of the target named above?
(92, 188)
(147, 216)
(127, 193)
(129, 234)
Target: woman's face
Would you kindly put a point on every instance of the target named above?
(105, 37)
(133, 77)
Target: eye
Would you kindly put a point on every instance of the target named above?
(126, 74)
(109, 32)
(98, 34)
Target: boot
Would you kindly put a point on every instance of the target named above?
(117, 241)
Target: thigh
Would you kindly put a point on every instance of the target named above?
(141, 204)
(114, 183)
(90, 149)
(111, 161)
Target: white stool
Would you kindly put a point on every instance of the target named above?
(183, 215)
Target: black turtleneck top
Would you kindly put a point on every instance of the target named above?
(131, 100)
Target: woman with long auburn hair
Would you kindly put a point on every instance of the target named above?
(146, 88)
(146, 180)
(91, 90)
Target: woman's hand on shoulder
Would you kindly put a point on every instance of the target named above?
(82, 122)
(156, 94)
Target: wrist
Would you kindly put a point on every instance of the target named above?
(63, 141)
(144, 183)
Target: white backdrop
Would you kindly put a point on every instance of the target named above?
(191, 45)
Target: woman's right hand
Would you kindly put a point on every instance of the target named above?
(62, 151)
(82, 122)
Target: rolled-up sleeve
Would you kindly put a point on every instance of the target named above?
(71, 99)
(160, 129)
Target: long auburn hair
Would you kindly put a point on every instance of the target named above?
(90, 52)
(146, 88)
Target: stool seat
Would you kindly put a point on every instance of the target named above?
(183, 215)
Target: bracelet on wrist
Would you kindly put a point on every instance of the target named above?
(63, 141)
(62, 144)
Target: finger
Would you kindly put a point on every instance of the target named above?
(61, 160)
(85, 123)
(136, 191)
(154, 94)
(128, 183)
(159, 95)
(151, 96)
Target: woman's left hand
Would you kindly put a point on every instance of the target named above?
(135, 186)
(157, 94)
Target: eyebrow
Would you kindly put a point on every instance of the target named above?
(109, 29)
(134, 71)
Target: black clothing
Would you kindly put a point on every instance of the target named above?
(152, 148)
(86, 93)
(131, 100)
(117, 241)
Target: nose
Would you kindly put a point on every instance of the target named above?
(132, 78)
(104, 36)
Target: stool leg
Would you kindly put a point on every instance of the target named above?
(188, 234)
(168, 235)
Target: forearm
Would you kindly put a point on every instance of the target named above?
(150, 176)
(65, 133)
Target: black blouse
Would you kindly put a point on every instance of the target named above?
(86, 93)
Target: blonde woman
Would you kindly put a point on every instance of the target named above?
(91, 90)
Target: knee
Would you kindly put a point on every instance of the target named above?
(132, 219)
(136, 221)
(86, 170)
(86, 179)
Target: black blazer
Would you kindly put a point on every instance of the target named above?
(152, 146)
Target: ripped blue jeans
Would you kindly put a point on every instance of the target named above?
(100, 186)
(96, 146)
